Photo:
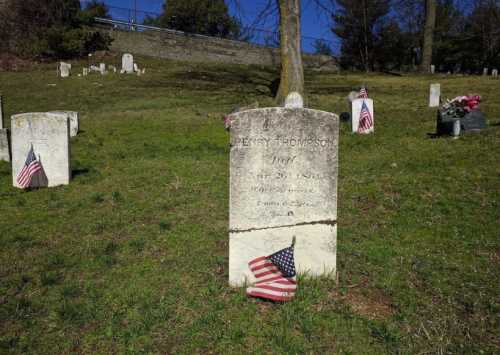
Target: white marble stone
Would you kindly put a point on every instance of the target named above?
(485, 71)
(1, 112)
(74, 121)
(64, 69)
(49, 135)
(128, 63)
(283, 183)
(433, 68)
(494, 73)
(356, 111)
(294, 100)
(4, 145)
(434, 95)
(102, 68)
(85, 71)
(136, 67)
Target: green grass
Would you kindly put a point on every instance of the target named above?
(132, 256)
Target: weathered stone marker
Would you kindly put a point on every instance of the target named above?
(283, 183)
(433, 68)
(434, 95)
(85, 71)
(102, 68)
(49, 135)
(127, 63)
(64, 69)
(494, 73)
(357, 105)
(485, 71)
(294, 100)
(4, 145)
(74, 121)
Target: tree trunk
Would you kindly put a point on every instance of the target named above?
(292, 73)
(430, 24)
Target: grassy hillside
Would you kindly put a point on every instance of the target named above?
(131, 257)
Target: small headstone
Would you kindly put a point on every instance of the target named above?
(4, 145)
(294, 100)
(85, 71)
(48, 133)
(128, 63)
(283, 183)
(74, 121)
(64, 69)
(136, 67)
(434, 95)
(102, 68)
(1, 112)
(433, 68)
(357, 106)
(143, 70)
(485, 71)
(494, 73)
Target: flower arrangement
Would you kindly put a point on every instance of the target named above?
(461, 105)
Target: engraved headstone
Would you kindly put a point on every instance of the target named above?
(74, 121)
(433, 68)
(64, 69)
(127, 63)
(48, 133)
(4, 145)
(294, 100)
(357, 105)
(434, 95)
(283, 183)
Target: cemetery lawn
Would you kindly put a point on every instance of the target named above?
(132, 256)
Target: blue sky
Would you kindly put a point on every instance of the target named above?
(315, 22)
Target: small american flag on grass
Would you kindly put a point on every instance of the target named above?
(363, 93)
(30, 168)
(365, 119)
(275, 276)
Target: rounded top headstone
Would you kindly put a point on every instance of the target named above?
(294, 100)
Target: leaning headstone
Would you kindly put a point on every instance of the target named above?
(294, 100)
(74, 121)
(127, 63)
(4, 145)
(48, 134)
(283, 183)
(494, 73)
(434, 95)
(357, 106)
(485, 71)
(433, 68)
(64, 69)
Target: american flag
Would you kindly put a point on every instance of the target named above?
(30, 168)
(365, 119)
(363, 93)
(275, 276)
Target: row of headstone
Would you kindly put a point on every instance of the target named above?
(128, 67)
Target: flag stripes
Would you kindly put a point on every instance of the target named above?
(365, 119)
(30, 168)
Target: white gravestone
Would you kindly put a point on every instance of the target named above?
(485, 71)
(434, 95)
(85, 71)
(294, 100)
(64, 69)
(357, 104)
(4, 145)
(49, 135)
(433, 68)
(136, 67)
(283, 183)
(74, 121)
(1, 112)
(102, 68)
(494, 73)
(127, 63)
